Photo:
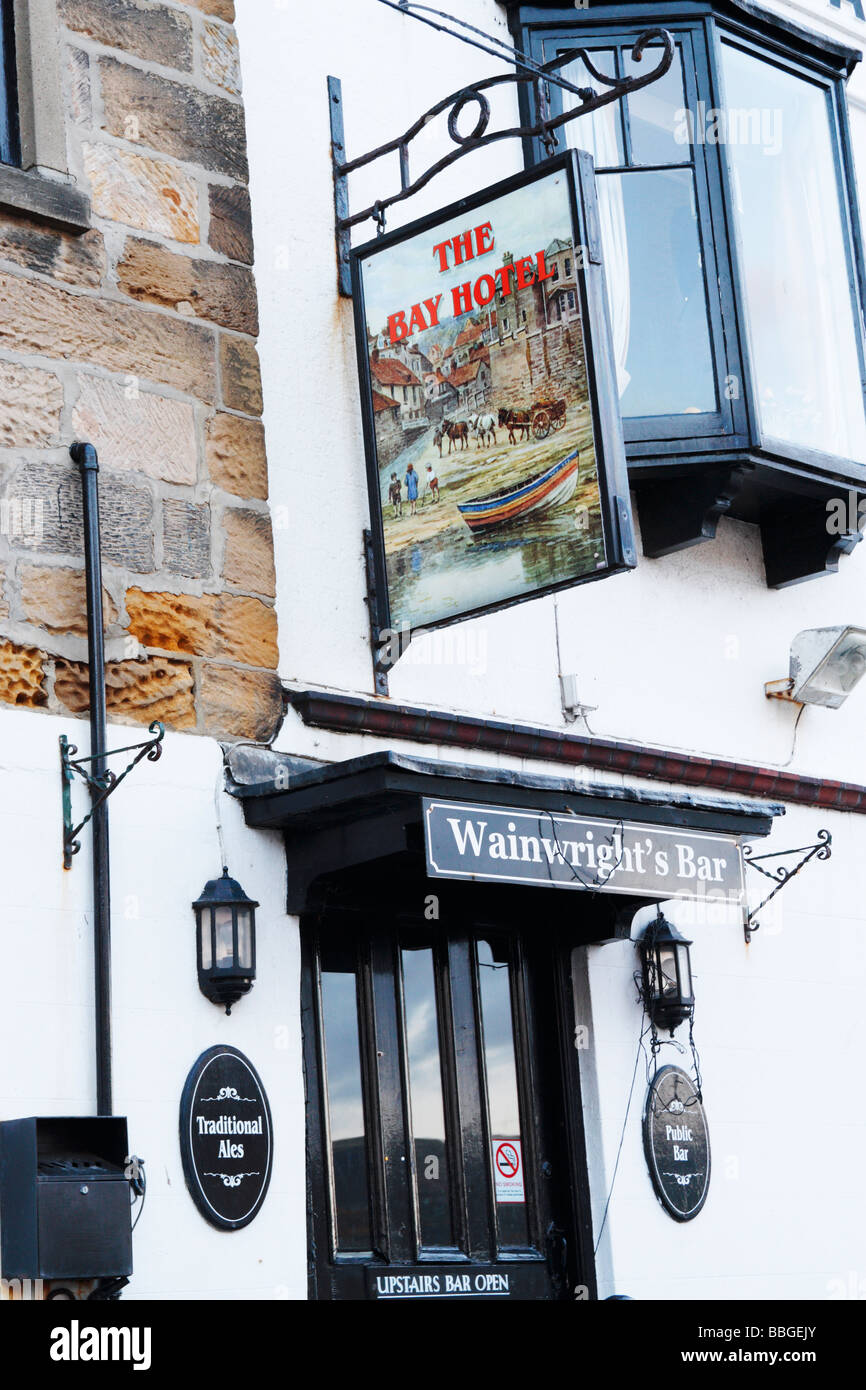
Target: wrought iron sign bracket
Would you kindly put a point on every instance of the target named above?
(781, 875)
(545, 129)
(100, 787)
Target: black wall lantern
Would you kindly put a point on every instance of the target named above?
(226, 941)
(667, 974)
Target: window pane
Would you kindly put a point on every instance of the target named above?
(601, 131)
(502, 1097)
(345, 1102)
(803, 331)
(425, 1092)
(657, 113)
(655, 284)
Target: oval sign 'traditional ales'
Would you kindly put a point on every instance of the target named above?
(226, 1137)
(677, 1143)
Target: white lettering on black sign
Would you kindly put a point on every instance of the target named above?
(677, 1143)
(226, 1138)
(554, 850)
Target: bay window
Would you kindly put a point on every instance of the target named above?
(733, 261)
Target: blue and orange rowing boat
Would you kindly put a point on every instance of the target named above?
(548, 489)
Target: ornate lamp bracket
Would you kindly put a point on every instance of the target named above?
(101, 786)
(527, 74)
(781, 875)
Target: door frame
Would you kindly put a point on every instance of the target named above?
(546, 956)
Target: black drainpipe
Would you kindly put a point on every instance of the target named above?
(85, 456)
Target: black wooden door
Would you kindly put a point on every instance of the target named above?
(444, 1147)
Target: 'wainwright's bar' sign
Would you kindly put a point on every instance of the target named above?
(560, 851)
(494, 448)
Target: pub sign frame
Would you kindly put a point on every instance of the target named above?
(613, 521)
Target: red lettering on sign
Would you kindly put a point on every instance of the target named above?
(442, 252)
(397, 327)
(461, 297)
(417, 321)
(485, 289)
(432, 307)
(484, 240)
(543, 272)
(506, 277)
(463, 248)
(525, 272)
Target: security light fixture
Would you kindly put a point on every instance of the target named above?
(826, 664)
(667, 975)
(226, 941)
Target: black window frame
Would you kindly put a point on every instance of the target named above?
(685, 478)
(10, 146)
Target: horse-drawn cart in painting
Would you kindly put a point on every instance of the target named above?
(547, 416)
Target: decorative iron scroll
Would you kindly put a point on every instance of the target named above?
(545, 129)
(104, 784)
(780, 876)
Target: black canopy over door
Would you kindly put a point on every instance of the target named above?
(445, 1148)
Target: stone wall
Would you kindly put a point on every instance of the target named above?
(537, 366)
(139, 337)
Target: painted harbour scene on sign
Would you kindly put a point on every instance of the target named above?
(481, 409)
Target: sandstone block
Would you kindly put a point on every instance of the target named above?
(76, 260)
(223, 9)
(175, 118)
(39, 318)
(220, 57)
(4, 606)
(30, 404)
(78, 85)
(224, 293)
(231, 224)
(56, 599)
(236, 458)
(241, 375)
(240, 704)
(22, 677)
(249, 551)
(150, 31)
(140, 691)
(186, 538)
(142, 192)
(52, 494)
(214, 625)
(137, 430)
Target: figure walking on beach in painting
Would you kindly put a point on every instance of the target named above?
(411, 481)
(431, 485)
(395, 496)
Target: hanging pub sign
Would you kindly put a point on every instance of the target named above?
(226, 1138)
(677, 1143)
(551, 850)
(495, 461)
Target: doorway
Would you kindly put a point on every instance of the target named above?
(445, 1148)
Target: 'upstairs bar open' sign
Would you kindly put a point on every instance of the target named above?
(553, 850)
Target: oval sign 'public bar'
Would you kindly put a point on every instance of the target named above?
(677, 1143)
(226, 1138)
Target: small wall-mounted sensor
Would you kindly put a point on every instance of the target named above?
(572, 708)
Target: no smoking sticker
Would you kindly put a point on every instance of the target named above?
(508, 1170)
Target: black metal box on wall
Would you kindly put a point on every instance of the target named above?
(64, 1198)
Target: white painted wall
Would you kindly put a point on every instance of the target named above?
(674, 654)
(164, 848)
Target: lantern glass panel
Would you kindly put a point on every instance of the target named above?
(685, 972)
(667, 970)
(225, 951)
(245, 939)
(204, 917)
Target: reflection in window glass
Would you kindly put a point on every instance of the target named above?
(345, 1101)
(601, 131)
(656, 293)
(425, 1091)
(494, 980)
(803, 331)
(656, 113)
